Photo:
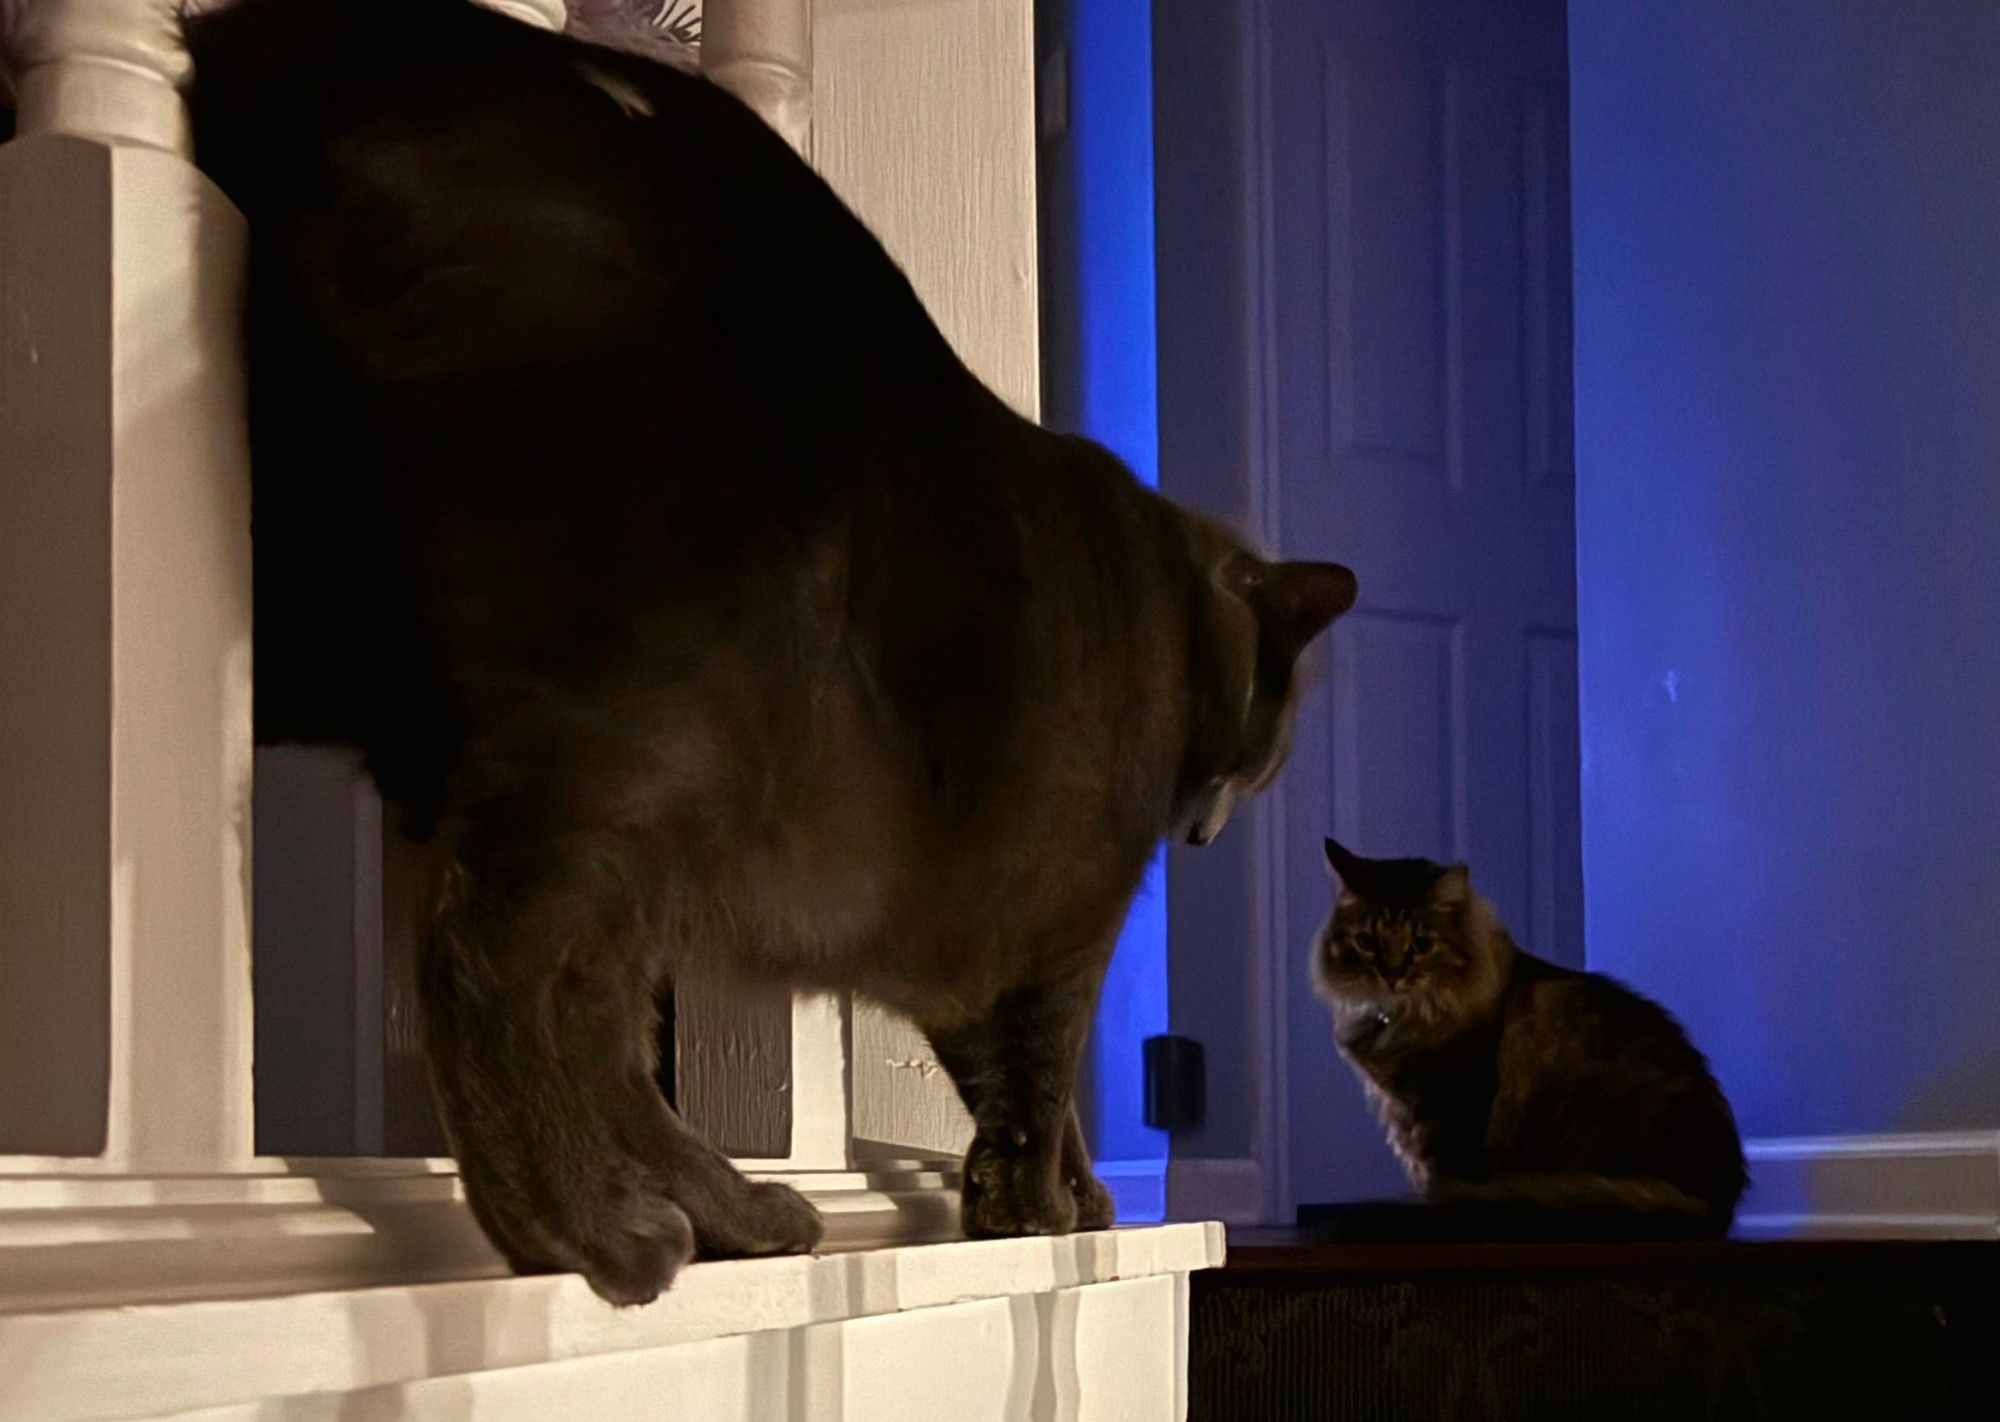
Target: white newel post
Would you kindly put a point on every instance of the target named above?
(125, 1014)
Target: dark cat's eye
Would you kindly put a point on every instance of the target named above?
(1421, 947)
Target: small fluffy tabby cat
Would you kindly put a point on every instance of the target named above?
(615, 494)
(1522, 1092)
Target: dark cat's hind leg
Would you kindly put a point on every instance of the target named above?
(1027, 1171)
(538, 994)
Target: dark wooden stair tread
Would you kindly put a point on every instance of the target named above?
(1290, 1251)
(1291, 1329)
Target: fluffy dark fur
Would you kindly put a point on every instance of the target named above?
(616, 495)
(1533, 1099)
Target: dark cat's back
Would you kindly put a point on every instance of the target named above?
(473, 214)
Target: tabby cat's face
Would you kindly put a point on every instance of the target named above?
(1367, 951)
(1403, 932)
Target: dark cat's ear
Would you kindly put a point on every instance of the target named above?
(1343, 866)
(1294, 602)
(1452, 887)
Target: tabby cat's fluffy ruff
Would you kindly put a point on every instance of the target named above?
(1531, 1100)
(614, 492)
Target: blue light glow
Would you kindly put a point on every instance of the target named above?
(1111, 136)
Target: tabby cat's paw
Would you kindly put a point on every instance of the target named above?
(1007, 1194)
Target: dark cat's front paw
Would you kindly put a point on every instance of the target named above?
(1009, 1193)
(1095, 1208)
(763, 1217)
(627, 1241)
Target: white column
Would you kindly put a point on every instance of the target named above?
(125, 1015)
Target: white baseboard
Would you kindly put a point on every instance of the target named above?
(1139, 1187)
(1931, 1185)
(1230, 1190)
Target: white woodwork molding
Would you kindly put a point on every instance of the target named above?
(105, 69)
(70, 1241)
(1230, 1190)
(1102, 1350)
(1138, 1187)
(1274, 957)
(1924, 1185)
(762, 52)
(543, 14)
(903, 1100)
(316, 1348)
(923, 120)
(821, 1090)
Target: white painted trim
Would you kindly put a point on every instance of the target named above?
(128, 1362)
(1929, 1185)
(542, 14)
(1138, 1188)
(74, 1241)
(1116, 1349)
(1270, 932)
(102, 69)
(1229, 1190)
(125, 784)
(822, 1093)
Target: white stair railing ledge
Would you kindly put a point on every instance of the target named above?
(322, 1349)
(71, 1241)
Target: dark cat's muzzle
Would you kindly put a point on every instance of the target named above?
(1211, 811)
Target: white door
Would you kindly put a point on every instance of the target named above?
(1418, 316)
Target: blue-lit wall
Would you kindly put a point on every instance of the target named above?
(1101, 379)
(1787, 258)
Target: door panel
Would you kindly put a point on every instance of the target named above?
(1418, 307)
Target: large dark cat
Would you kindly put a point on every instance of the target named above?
(1533, 1098)
(615, 493)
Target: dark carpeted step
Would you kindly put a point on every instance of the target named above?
(1290, 1331)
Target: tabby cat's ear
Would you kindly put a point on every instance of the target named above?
(1340, 864)
(1294, 602)
(1452, 888)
